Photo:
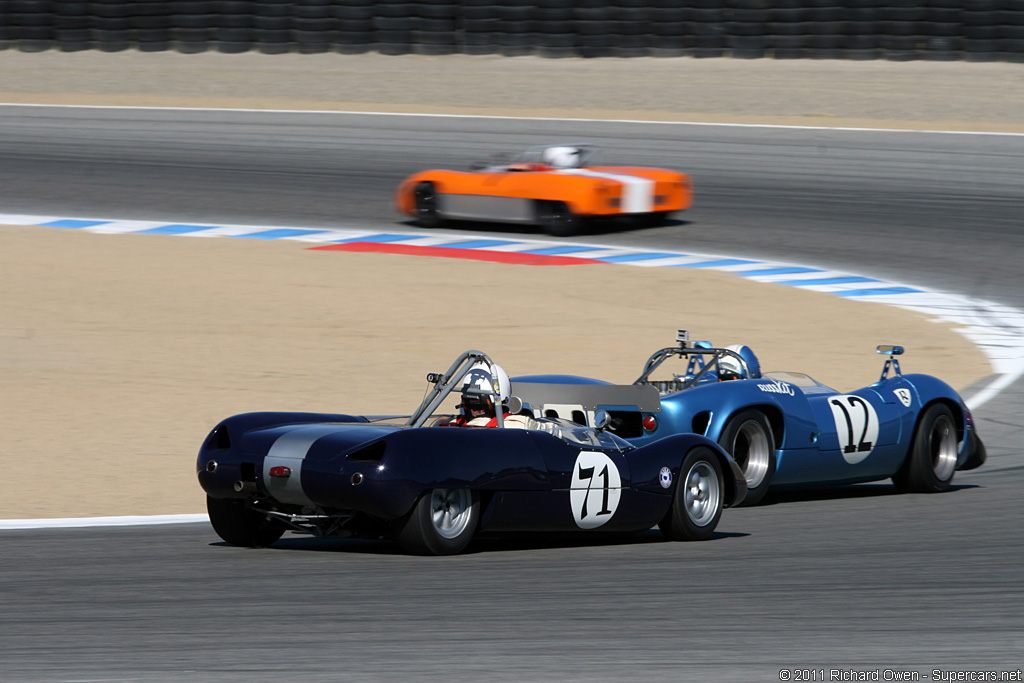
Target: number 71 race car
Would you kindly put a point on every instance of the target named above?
(783, 428)
(434, 481)
(552, 186)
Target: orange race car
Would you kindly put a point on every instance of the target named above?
(551, 185)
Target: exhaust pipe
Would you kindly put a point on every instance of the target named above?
(245, 486)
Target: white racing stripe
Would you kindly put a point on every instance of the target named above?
(637, 192)
(290, 450)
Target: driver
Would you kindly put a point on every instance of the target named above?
(478, 394)
(562, 157)
(729, 368)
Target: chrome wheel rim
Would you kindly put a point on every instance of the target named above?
(702, 494)
(450, 511)
(943, 448)
(751, 452)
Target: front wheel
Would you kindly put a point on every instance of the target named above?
(557, 219)
(238, 524)
(931, 463)
(748, 438)
(697, 502)
(441, 523)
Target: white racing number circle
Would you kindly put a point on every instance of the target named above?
(856, 426)
(595, 489)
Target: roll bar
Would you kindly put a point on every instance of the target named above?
(445, 383)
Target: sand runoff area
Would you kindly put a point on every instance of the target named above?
(118, 353)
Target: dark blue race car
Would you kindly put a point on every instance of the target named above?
(434, 481)
(784, 429)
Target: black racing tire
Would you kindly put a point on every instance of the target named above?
(653, 219)
(557, 219)
(236, 523)
(427, 213)
(748, 438)
(698, 498)
(931, 461)
(442, 522)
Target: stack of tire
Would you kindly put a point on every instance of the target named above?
(670, 31)
(192, 23)
(434, 29)
(1009, 21)
(706, 19)
(516, 23)
(591, 20)
(72, 25)
(862, 31)
(784, 31)
(481, 27)
(993, 30)
(314, 26)
(746, 25)
(393, 22)
(272, 26)
(355, 25)
(554, 27)
(824, 28)
(27, 25)
(975, 30)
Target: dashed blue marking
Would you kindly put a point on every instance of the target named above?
(383, 237)
(626, 258)
(177, 229)
(478, 244)
(788, 270)
(845, 280)
(279, 233)
(715, 264)
(556, 251)
(876, 292)
(72, 223)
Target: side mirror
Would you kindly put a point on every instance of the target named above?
(515, 404)
(889, 350)
(602, 419)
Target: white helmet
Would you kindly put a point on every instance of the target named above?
(730, 368)
(562, 157)
(479, 389)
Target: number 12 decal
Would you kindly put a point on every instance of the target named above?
(595, 489)
(856, 426)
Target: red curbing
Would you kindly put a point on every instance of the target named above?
(521, 258)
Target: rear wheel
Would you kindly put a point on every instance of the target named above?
(441, 523)
(653, 220)
(697, 502)
(427, 215)
(557, 219)
(748, 438)
(238, 524)
(931, 462)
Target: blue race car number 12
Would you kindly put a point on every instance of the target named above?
(856, 426)
(595, 489)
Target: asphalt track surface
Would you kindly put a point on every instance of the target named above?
(857, 579)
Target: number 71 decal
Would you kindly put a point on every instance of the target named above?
(595, 489)
(856, 426)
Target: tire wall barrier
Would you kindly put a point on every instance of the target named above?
(973, 30)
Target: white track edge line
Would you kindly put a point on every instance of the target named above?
(508, 117)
